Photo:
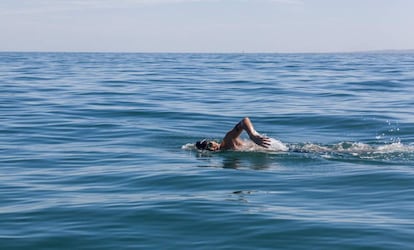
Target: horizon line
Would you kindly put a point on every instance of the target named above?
(212, 52)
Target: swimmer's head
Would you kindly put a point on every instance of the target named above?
(207, 145)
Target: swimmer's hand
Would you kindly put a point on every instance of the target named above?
(260, 140)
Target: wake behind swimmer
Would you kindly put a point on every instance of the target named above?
(260, 143)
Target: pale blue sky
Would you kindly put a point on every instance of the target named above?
(206, 25)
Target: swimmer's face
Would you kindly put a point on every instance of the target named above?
(208, 145)
(213, 146)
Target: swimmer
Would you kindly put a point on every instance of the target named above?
(232, 141)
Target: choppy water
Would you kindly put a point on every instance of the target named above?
(95, 151)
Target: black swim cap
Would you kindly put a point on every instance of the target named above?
(202, 145)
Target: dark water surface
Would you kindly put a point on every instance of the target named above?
(95, 151)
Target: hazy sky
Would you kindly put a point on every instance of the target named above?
(206, 25)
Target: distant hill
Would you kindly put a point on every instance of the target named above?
(389, 51)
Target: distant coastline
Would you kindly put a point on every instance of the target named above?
(387, 51)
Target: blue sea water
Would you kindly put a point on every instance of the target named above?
(96, 151)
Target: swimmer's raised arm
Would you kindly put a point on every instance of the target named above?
(254, 136)
(231, 140)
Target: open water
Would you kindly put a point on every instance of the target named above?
(96, 151)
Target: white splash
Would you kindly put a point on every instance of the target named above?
(276, 145)
(188, 146)
(353, 148)
(395, 147)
